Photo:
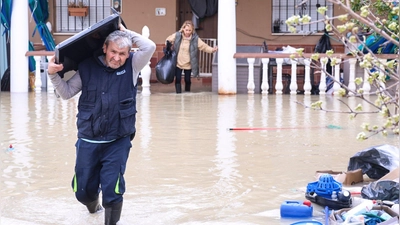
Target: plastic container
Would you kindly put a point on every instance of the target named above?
(296, 209)
(363, 207)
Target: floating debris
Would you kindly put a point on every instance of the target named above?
(10, 148)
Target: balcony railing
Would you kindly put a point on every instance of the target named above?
(265, 57)
(40, 58)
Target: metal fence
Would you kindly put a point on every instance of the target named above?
(67, 23)
(283, 9)
(205, 59)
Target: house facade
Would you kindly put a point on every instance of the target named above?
(254, 25)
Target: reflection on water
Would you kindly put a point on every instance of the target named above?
(145, 120)
(226, 162)
(186, 166)
(21, 158)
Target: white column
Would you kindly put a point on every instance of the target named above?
(279, 85)
(322, 82)
(19, 77)
(264, 84)
(352, 75)
(366, 85)
(226, 47)
(307, 79)
(336, 85)
(38, 76)
(293, 80)
(146, 71)
(382, 73)
(250, 82)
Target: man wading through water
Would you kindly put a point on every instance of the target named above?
(106, 118)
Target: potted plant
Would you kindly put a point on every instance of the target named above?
(277, 25)
(78, 8)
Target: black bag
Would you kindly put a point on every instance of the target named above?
(381, 190)
(5, 81)
(324, 43)
(376, 161)
(165, 68)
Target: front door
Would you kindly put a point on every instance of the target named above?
(207, 26)
(207, 31)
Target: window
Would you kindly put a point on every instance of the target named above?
(283, 9)
(97, 10)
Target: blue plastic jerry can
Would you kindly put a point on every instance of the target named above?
(292, 208)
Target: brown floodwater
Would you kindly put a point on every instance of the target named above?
(185, 166)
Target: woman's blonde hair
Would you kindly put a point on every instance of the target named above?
(187, 23)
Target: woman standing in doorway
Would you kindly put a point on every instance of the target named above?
(186, 44)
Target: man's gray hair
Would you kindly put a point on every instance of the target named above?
(121, 38)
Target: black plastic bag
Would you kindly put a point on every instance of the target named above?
(165, 68)
(376, 161)
(5, 80)
(324, 44)
(381, 190)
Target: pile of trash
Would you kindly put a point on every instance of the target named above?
(377, 203)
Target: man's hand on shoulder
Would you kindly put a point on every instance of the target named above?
(122, 28)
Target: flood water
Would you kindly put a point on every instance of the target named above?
(185, 166)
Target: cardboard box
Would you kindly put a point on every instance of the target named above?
(393, 221)
(388, 210)
(346, 178)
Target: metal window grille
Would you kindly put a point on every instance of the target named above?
(98, 10)
(205, 59)
(283, 9)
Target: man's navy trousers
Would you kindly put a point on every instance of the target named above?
(101, 166)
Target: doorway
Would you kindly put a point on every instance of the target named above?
(207, 26)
